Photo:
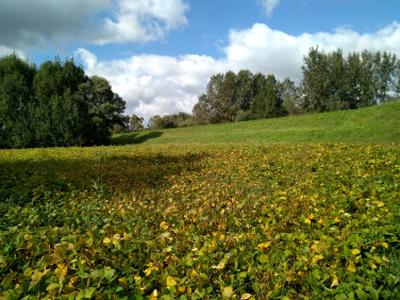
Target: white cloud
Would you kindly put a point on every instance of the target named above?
(262, 49)
(143, 21)
(154, 84)
(269, 6)
(43, 23)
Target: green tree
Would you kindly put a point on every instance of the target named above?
(268, 102)
(136, 123)
(245, 92)
(315, 83)
(385, 65)
(291, 97)
(105, 109)
(156, 122)
(61, 115)
(16, 106)
(202, 110)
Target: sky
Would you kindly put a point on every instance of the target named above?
(158, 55)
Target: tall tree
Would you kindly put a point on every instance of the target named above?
(61, 117)
(268, 102)
(136, 123)
(16, 79)
(385, 65)
(291, 97)
(245, 91)
(105, 109)
(315, 83)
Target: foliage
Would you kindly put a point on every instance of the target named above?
(55, 105)
(136, 123)
(332, 82)
(16, 80)
(240, 97)
(206, 221)
(171, 121)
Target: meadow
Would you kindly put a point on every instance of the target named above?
(201, 221)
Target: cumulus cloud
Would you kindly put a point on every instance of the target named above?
(262, 49)
(143, 21)
(154, 84)
(40, 23)
(269, 6)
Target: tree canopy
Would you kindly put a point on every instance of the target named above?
(55, 105)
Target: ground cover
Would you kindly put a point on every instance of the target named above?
(197, 222)
(380, 123)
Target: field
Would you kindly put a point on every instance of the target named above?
(373, 124)
(283, 221)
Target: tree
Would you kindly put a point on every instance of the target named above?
(16, 79)
(105, 109)
(337, 82)
(315, 83)
(268, 102)
(136, 123)
(385, 65)
(245, 92)
(156, 122)
(201, 110)
(291, 97)
(61, 116)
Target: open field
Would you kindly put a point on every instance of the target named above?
(201, 221)
(372, 124)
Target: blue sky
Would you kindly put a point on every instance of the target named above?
(159, 54)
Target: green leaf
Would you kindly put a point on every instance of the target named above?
(109, 273)
(262, 258)
(52, 286)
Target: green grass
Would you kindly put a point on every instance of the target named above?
(374, 124)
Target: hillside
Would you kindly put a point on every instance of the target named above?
(373, 124)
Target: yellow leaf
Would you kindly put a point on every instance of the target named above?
(163, 225)
(106, 240)
(194, 273)
(264, 245)
(245, 297)
(220, 266)
(307, 221)
(385, 245)
(181, 289)
(52, 286)
(356, 252)
(189, 291)
(351, 267)
(335, 281)
(227, 292)
(171, 281)
(337, 220)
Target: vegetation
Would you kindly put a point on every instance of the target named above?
(379, 123)
(55, 105)
(204, 221)
(331, 82)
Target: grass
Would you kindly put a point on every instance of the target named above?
(372, 124)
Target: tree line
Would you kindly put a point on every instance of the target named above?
(331, 82)
(55, 105)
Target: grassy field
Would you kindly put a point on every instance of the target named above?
(372, 124)
(237, 220)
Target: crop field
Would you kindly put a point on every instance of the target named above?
(279, 221)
